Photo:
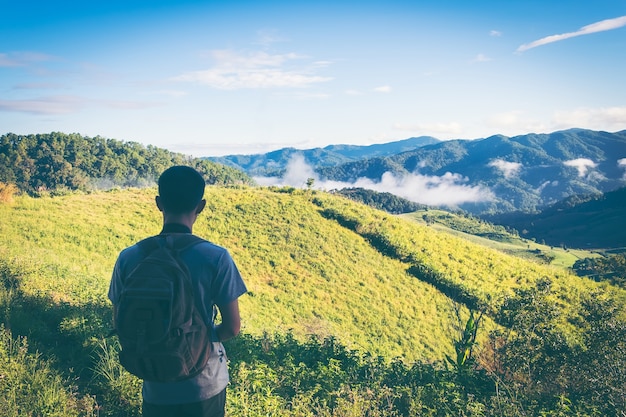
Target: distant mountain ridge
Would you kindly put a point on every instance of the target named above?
(274, 163)
(522, 173)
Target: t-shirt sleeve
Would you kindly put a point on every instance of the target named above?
(115, 287)
(229, 284)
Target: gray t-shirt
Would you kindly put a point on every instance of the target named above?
(217, 282)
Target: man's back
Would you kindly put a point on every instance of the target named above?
(216, 282)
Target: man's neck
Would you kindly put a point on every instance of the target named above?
(187, 219)
(175, 228)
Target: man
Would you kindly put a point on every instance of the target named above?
(217, 282)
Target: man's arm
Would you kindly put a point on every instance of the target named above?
(231, 321)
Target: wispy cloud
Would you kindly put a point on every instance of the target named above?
(604, 118)
(622, 164)
(508, 169)
(583, 165)
(44, 105)
(21, 59)
(481, 58)
(604, 25)
(495, 33)
(447, 190)
(56, 105)
(266, 37)
(507, 119)
(383, 89)
(255, 70)
(38, 86)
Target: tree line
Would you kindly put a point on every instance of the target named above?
(381, 200)
(57, 161)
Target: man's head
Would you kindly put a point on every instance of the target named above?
(181, 189)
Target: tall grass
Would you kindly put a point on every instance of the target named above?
(29, 385)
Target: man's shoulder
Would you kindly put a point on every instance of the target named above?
(206, 247)
(194, 245)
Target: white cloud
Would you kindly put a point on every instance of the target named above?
(607, 118)
(604, 25)
(507, 168)
(44, 105)
(610, 119)
(383, 89)
(583, 165)
(481, 58)
(55, 105)
(505, 119)
(514, 120)
(495, 33)
(546, 184)
(447, 190)
(622, 164)
(255, 70)
(267, 37)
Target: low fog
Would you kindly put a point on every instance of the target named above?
(447, 190)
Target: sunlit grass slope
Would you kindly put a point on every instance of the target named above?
(489, 235)
(307, 258)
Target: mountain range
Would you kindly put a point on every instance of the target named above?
(498, 174)
(275, 162)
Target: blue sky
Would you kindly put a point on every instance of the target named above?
(208, 78)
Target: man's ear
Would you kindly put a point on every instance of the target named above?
(157, 199)
(201, 205)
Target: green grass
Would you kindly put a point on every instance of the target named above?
(475, 231)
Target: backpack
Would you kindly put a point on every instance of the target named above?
(161, 331)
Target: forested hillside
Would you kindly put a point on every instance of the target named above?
(383, 201)
(58, 161)
(580, 221)
(351, 311)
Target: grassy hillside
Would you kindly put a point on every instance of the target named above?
(314, 263)
(497, 237)
(306, 271)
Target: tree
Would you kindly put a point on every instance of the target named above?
(547, 364)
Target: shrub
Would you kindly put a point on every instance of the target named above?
(7, 192)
